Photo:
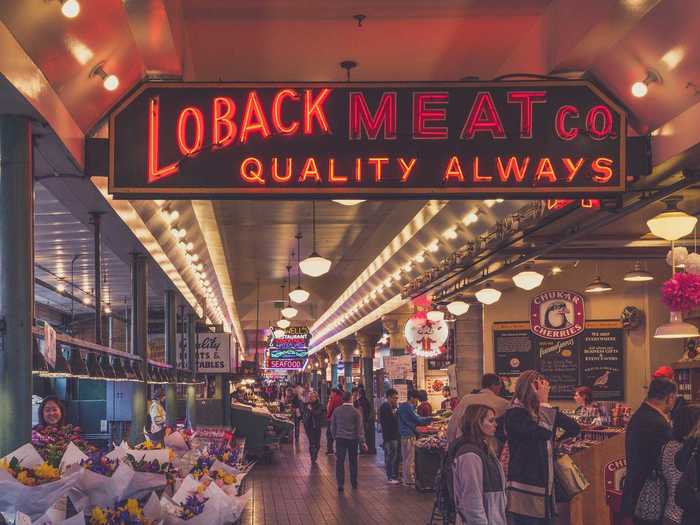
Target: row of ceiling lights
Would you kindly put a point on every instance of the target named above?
(171, 216)
(71, 9)
(449, 234)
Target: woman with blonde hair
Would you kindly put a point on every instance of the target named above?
(531, 426)
(477, 477)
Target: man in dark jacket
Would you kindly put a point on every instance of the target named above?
(334, 401)
(648, 430)
(313, 421)
(389, 421)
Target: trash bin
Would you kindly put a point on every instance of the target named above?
(428, 461)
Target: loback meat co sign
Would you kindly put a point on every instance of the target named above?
(420, 140)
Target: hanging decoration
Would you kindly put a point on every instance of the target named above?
(681, 293)
(424, 337)
(679, 254)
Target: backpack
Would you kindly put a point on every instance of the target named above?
(687, 491)
(444, 487)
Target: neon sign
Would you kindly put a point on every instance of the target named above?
(561, 138)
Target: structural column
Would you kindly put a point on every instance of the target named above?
(171, 354)
(366, 341)
(333, 356)
(394, 324)
(346, 348)
(139, 343)
(191, 389)
(95, 219)
(16, 281)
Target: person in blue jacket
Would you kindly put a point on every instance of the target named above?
(408, 420)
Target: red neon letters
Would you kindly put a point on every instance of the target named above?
(362, 119)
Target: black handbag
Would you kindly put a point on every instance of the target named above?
(687, 491)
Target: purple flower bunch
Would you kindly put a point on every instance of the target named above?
(193, 506)
(98, 462)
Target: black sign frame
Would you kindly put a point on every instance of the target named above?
(118, 151)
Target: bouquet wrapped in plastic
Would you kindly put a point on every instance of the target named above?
(29, 484)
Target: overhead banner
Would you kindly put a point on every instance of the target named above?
(370, 140)
(213, 353)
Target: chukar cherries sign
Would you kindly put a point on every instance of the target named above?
(213, 353)
(557, 314)
(367, 140)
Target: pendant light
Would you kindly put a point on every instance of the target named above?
(283, 324)
(315, 265)
(119, 372)
(77, 364)
(348, 202)
(298, 295)
(94, 368)
(488, 294)
(278, 332)
(61, 367)
(289, 311)
(597, 285)
(676, 328)
(39, 366)
(528, 279)
(107, 368)
(638, 275)
(458, 308)
(435, 316)
(672, 224)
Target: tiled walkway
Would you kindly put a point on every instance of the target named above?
(294, 491)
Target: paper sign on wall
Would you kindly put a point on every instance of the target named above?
(49, 345)
(214, 353)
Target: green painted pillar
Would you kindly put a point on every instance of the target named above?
(334, 375)
(171, 354)
(16, 281)
(139, 343)
(191, 389)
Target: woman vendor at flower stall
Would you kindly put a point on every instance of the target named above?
(51, 414)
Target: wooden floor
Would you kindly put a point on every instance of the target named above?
(294, 491)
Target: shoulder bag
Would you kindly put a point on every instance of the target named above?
(652, 498)
(569, 480)
(687, 491)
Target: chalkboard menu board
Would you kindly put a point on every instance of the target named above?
(592, 358)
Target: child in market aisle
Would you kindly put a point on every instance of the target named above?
(478, 479)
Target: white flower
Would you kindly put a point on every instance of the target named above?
(680, 253)
(692, 263)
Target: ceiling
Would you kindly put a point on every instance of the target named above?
(245, 242)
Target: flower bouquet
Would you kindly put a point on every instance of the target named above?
(195, 503)
(149, 475)
(180, 440)
(51, 442)
(29, 484)
(129, 512)
(681, 293)
(104, 481)
(219, 474)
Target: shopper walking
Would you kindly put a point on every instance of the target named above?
(334, 401)
(478, 479)
(389, 421)
(313, 421)
(365, 408)
(346, 427)
(408, 420)
(684, 421)
(648, 431)
(489, 395)
(531, 426)
(296, 406)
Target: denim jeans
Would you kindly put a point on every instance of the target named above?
(343, 446)
(392, 458)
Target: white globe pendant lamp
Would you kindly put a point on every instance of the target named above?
(488, 294)
(528, 279)
(278, 333)
(458, 308)
(315, 265)
(672, 224)
(298, 295)
(435, 316)
(289, 312)
(283, 324)
(348, 202)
